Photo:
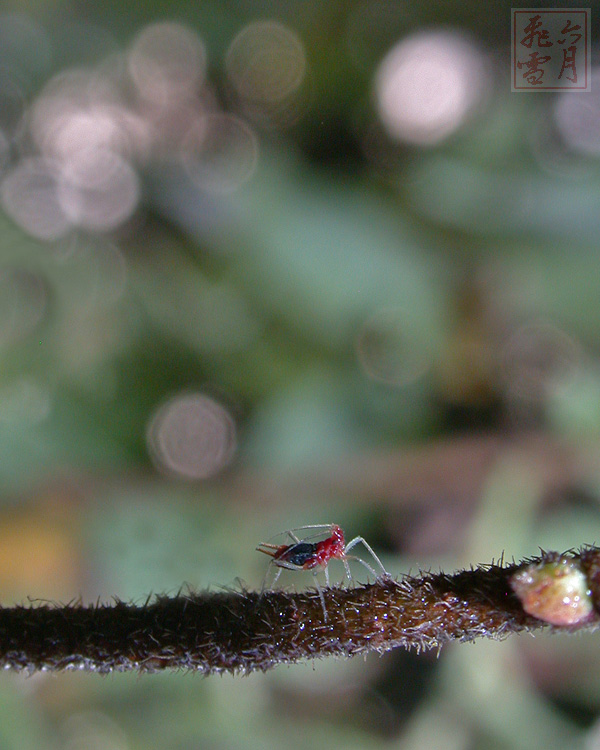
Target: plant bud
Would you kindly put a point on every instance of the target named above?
(556, 591)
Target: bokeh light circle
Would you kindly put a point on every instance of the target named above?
(167, 62)
(98, 189)
(220, 152)
(389, 351)
(29, 195)
(266, 62)
(191, 436)
(427, 85)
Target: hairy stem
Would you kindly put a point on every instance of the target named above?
(246, 631)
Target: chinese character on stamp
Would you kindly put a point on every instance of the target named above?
(550, 49)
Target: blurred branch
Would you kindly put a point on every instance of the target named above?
(247, 631)
(451, 471)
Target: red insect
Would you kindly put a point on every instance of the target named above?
(315, 556)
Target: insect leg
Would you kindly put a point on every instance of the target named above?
(365, 564)
(274, 581)
(348, 573)
(287, 565)
(328, 526)
(280, 565)
(321, 597)
(325, 527)
(360, 540)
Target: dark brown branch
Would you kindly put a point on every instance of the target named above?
(246, 631)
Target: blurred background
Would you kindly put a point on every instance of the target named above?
(281, 263)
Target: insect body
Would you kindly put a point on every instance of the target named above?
(302, 555)
(305, 555)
